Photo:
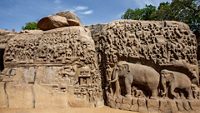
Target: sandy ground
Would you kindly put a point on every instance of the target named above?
(67, 110)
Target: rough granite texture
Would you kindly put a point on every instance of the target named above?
(137, 66)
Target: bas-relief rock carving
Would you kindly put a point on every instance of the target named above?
(176, 80)
(141, 66)
(59, 64)
(146, 65)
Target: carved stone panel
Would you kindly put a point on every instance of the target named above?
(153, 62)
(59, 64)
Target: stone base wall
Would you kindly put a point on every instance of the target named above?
(160, 105)
(41, 87)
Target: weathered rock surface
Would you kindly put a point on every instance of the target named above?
(4, 37)
(127, 59)
(52, 22)
(51, 69)
(158, 45)
(31, 31)
(72, 19)
(61, 19)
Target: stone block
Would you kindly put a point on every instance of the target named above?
(29, 74)
(3, 96)
(153, 105)
(112, 104)
(127, 101)
(119, 100)
(46, 98)
(134, 106)
(186, 105)
(173, 106)
(20, 95)
(164, 106)
(142, 105)
(118, 105)
(125, 107)
(179, 104)
(46, 75)
(19, 77)
(194, 104)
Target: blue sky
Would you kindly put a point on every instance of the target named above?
(15, 13)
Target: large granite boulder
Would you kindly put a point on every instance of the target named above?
(72, 19)
(52, 22)
(61, 19)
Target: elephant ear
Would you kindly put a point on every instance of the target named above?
(170, 76)
(126, 67)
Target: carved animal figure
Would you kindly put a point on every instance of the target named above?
(137, 92)
(195, 91)
(176, 80)
(140, 75)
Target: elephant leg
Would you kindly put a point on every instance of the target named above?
(180, 95)
(128, 87)
(189, 93)
(154, 93)
(117, 89)
(172, 90)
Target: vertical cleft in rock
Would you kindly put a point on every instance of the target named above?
(6, 94)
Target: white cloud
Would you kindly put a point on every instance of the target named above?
(57, 1)
(81, 8)
(88, 12)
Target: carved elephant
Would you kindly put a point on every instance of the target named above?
(176, 80)
(138, 74)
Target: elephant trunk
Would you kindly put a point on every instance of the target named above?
(163, 82)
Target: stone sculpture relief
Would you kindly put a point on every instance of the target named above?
(148, 65)
(140, 66)
(139, 75)
(61, 60)
(176, 80)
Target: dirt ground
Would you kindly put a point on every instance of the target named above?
(67, 110)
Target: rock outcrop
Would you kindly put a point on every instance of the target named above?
(140, 66)
(4, 37)
(72, 19)
(61, 19)
(52, 22)
(152, 45)
(56, 68)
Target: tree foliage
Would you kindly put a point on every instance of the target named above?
(140, 14)
(187, 11)
(30, 26)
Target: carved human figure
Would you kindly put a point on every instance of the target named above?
(176, 80)
(109, 71)
(140, 75)
(115, 80)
